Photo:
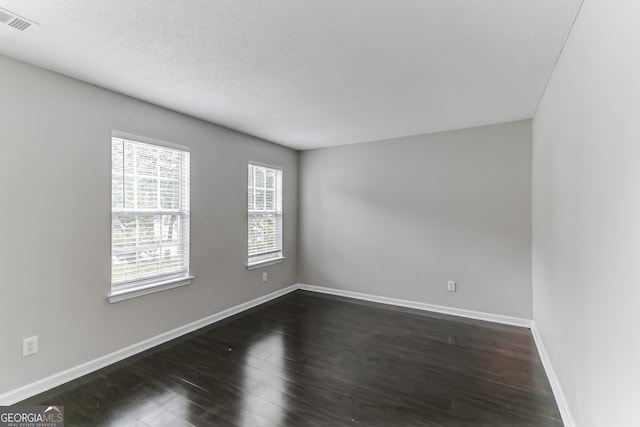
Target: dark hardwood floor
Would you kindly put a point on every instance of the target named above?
(308, 359)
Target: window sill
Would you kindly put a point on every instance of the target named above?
(148, 289)
(265, 263)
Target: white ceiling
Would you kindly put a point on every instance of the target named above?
(307, 73)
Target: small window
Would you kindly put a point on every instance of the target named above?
(149, 217)
(265, 215)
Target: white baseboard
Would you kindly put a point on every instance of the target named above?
(26, 391)
(561, 400)
(563, 405)
(497, 318)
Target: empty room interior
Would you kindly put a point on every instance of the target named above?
(321, 213)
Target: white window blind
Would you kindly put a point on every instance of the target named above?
(149, 214)
(265, 214)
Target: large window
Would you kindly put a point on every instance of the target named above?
(149, 216)
(265, 214)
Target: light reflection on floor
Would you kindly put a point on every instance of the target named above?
(264, 382)
(151, 409)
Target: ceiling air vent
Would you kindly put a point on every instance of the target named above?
(14, 20)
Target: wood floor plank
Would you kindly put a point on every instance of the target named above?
(307, 359)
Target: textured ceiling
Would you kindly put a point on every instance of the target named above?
(307, 73)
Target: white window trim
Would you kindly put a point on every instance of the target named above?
(267, 262)
(148, 140)
(255, 265)
(150, 286)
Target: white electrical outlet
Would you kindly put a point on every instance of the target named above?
(264, 276)
(451, 285)
(30, 346)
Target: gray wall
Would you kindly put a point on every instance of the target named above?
(398, 218)
(586, 216)
(55, 246)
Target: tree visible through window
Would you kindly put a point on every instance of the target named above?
(149, 214)
(265, 214)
